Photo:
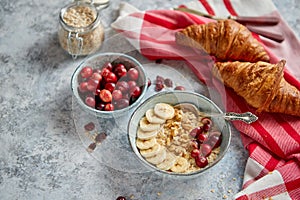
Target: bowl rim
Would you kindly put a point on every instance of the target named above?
(114, 113)
(174, 174)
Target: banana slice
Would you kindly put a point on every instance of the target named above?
(152, 118)
(168, 162)
(145, 144)
(158, 158)
(164, 111)
(146, 135)
(145, 125)
(151, 151)
(181, 165)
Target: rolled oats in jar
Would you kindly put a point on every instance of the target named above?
(81, 31)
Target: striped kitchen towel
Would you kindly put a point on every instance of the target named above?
(273, 167)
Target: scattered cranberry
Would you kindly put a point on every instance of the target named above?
(105, 95)
(89, 127)
(133, 74)
(86, 72)
(92, 146)
(206, 120)
(90, 101)
(206, 127)
(131, 84)
(121, 198)
(168, 82)
(100, 137)
(196, 131)
(179, 88)
(159, 87)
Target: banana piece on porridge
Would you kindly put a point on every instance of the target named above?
(146, 135)
(158, 158)
(168, 162)
(181, 165)
(151, 151)
(164, 111)
(145, 144)
(153, 118)
(145, 125)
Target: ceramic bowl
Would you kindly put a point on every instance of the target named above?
(202, 103)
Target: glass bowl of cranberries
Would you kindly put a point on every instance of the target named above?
(172, 133)
(109, 85)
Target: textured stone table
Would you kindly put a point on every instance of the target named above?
(41, 155)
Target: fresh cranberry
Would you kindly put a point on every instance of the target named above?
(201, 161)
(105, 72)
(105, 95)
(133, 74)
(83, 87)
(117, 95)
(196, 131)
(92, 85)
(96, 76)
(89, 127)
(131, 84)
(135, 92)
(195, 153)
(123, 86)
(97, 92)
(202, 137)
(122, 103)
(194, 144)
(110, 86)
(100, 137)
(90, 101)
(159, 79)
(205, 149)
(120, 71)
(86, 72)
(206, 127)
(108, 66)
(111, 78)
(92, 146)
(109, 107)
(179, 88)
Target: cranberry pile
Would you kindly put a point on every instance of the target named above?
(113, 86)
(205, 139)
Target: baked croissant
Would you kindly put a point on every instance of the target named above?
(261, 84)
(227, 40)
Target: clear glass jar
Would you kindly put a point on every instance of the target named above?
(80, 29)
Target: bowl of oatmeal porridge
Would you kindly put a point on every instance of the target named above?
(172, 133)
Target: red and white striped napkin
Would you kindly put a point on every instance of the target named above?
(273, 142)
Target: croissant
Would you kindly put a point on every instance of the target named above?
(225, 39)
(261, 84)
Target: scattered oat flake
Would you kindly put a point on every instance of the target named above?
(229, 191)
(132, 196)
(159, 193)
(234, 179)
(225, 196)
(212, 191)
